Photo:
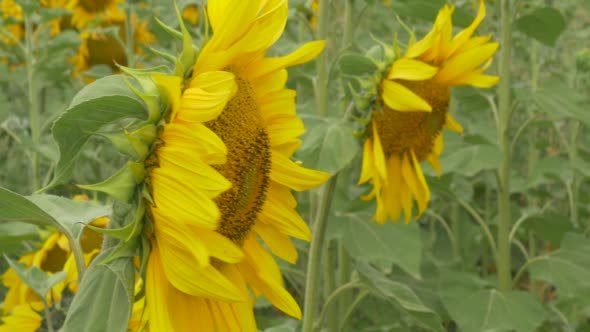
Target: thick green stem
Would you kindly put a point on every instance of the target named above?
(329, 286)
(322, 61)
(315, 254)
(573, 156)
(348, 24)
(503, 175)
(343, 278)
(35, 122)
(48, 316)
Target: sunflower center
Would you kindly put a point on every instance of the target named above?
(248, 162)
(404, 131)
(106, 50)
(95, 6)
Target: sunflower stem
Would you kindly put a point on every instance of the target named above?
(343, 278)
(315, 255)
(32, 99)
(503, 175)
(329, 285)
(48, 317)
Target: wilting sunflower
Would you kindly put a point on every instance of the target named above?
(412, 109)
(85, 12)
(222, 176)
(102, 49)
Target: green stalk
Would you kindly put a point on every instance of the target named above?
(35, 122)
(315, 254)
(329, 286)
(573, 156)
(322, 62)
(503, 174)
(48, 316)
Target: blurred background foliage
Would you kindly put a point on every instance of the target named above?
(435, 274)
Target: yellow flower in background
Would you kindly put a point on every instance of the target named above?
(414, 103)
(100, 49)
(191, 14)
(61, 23)
(226, 152)
(24, 318)
(10, 9)
(315, 8)
(53, 256)
(85, 12)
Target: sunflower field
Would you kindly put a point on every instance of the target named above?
(294, 165)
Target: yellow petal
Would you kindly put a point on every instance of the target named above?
(284, 129)
(170, 87)
(219, 246)
(303, 54)
(269, 83)
(288, 173)
(229, 20)
(379, 156)
(277, 242)
(400, 98)
(462, 37)
(277, 214)
(157, 289)
(367, 169)
(465, 63)
(194, 138)
(207, 96)
(452, 124)
(411, 70)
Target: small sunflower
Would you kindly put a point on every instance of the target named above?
(53, 256)
(61, 23)
(190, 13)
(226, 153)
(412, 110)
(101, 49)
(12, 10)
(85, 12)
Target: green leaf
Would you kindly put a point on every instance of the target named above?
(549, 227)
(105, 101)
(567, 268)
(105, 298)
(39, 281)
(491, 310)
(12, 235)
(470, 158)
(338, 148)
(356, 65)
(120, 185)
(557, 99)
(399, 294)
(543, 24)
(47, 210)
(396, 243)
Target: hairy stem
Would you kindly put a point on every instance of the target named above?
(503, 174)
(315, 254)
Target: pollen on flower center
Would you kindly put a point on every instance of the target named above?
(402, 131)
(95, 5)
(248, 162)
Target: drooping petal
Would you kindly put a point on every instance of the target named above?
(400, 98)
(411, 70)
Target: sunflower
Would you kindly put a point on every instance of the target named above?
(222, 175)
(412, 110)
(85, 12)
(190, 13)
(53, 256)
(60, 23)
(102, 49)
(15, 31)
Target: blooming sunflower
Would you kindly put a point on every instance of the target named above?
(11, 9)
(412, 110)
(100, 49)
(53, 256)
(85, 12)
(61, 23)
(222, 175)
